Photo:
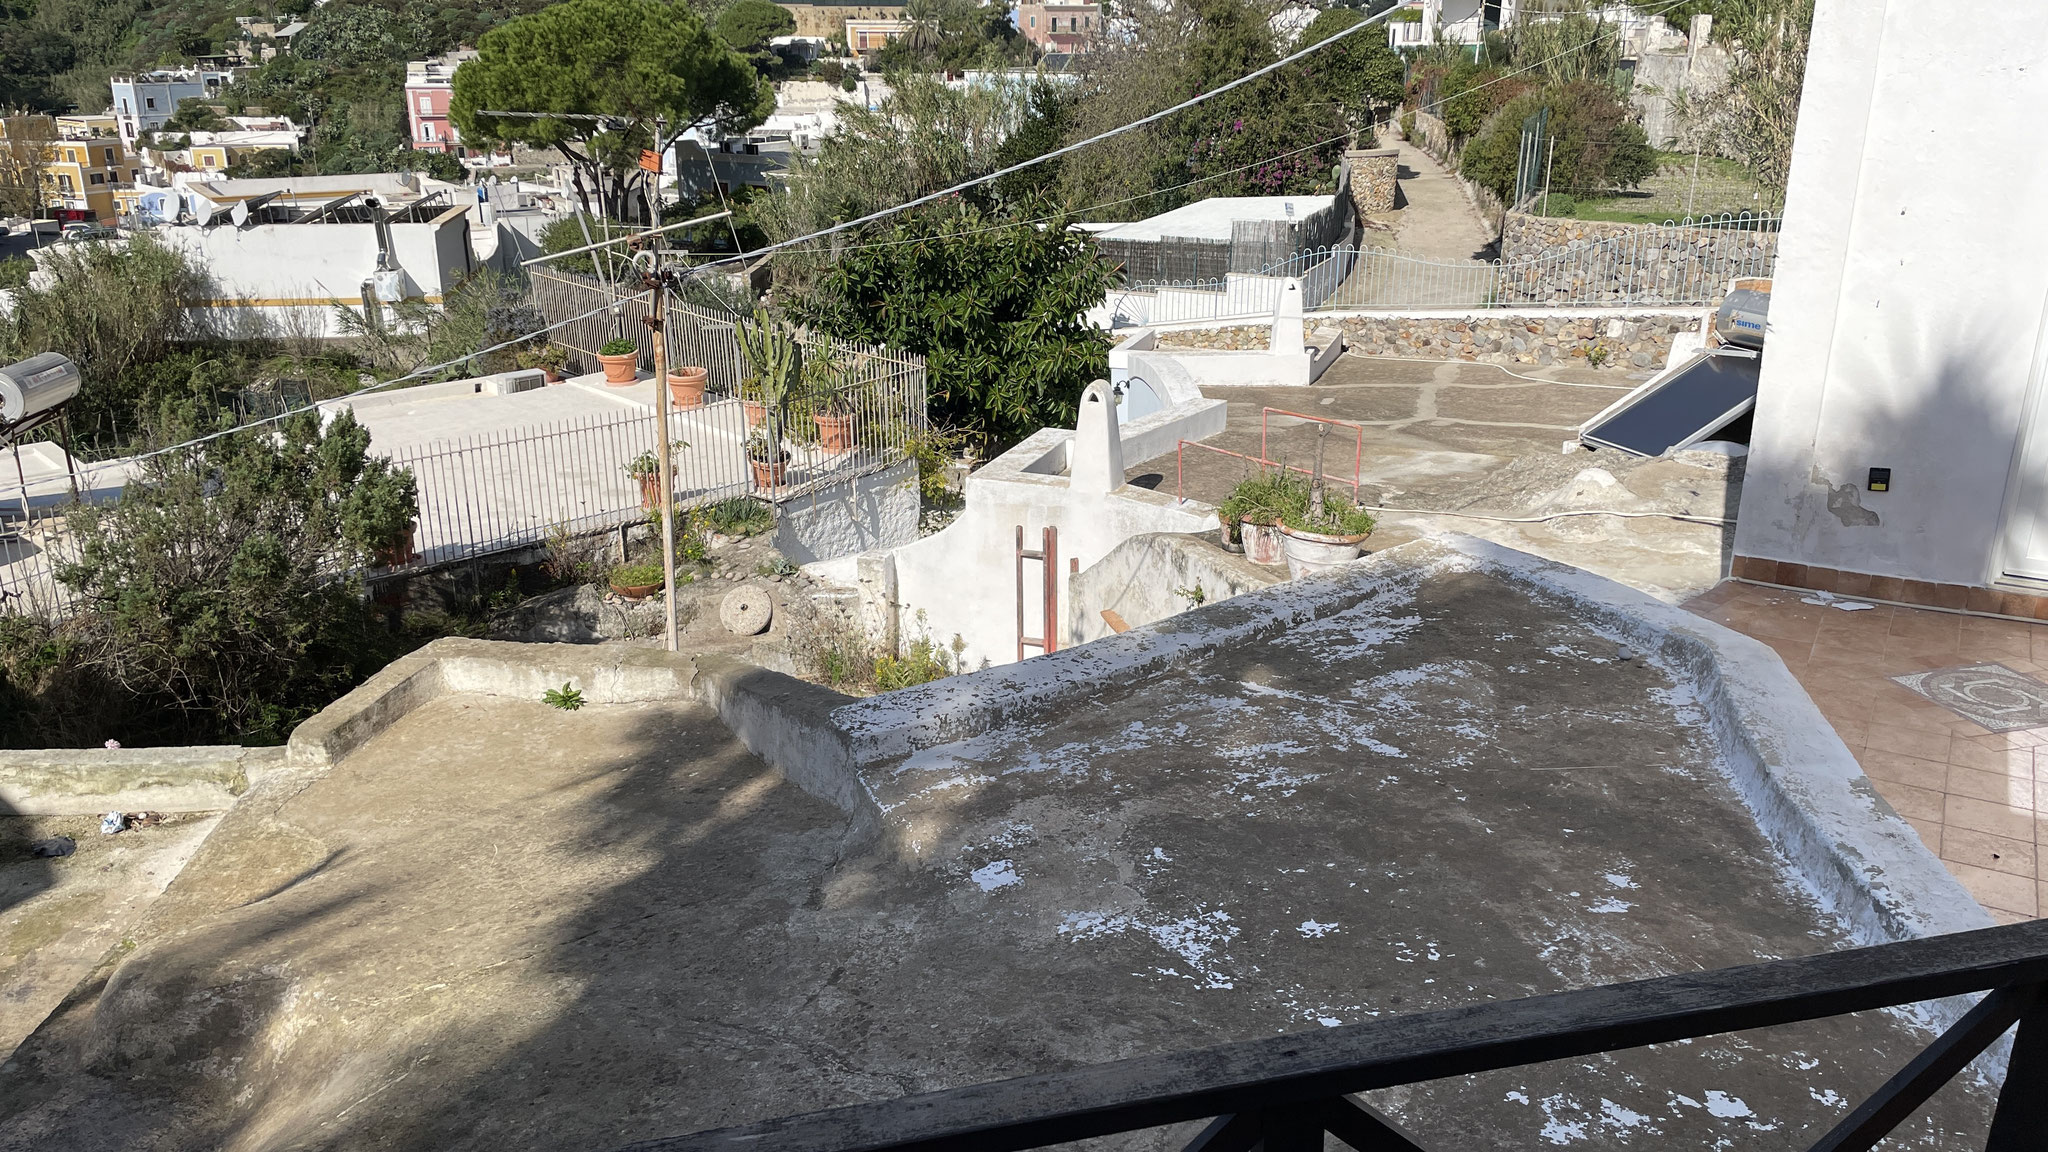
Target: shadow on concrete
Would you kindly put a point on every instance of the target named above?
(23, 874)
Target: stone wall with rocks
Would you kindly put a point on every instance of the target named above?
(1630, 342)
(1237, 338)
(1549, 259)
(1373, 177)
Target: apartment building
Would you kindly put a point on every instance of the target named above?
(429, 85)
(143, 101)
(1060, 26)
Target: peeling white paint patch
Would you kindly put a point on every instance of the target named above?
(1558, 1129)
(1725, 1106)
(1611, 904)
(1195, 939)
(1328, 1021)
(994, 875)
(1620, 880)
(1616, 1116)
(1516, 1098)
(1316, 930)
(1827, 1096)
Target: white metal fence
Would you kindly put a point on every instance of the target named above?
(517, 486)
(1679, 264)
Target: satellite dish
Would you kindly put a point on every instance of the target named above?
(239, 214)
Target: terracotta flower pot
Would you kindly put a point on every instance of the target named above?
(757, 412)
(636, 591)
(1261, 542)
(686, 386)
(550, 376)
(620, 369)
(835, 433)
(650, 489)
(768, 473)
(1312, 552)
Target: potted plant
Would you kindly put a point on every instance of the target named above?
(637, 581)
(549, 358)
(686, 385)
(1256, 504)
(1323, 533)
(621, 360)
(771, 381)
(381, 515)
(646, 471)
(765, 455)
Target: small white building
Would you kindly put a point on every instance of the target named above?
(1901, 431)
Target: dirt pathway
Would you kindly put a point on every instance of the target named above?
(1438, 222)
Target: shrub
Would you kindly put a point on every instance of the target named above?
(739, 516)
(1598, 147)
(638, 575)
(923, 661)
(618, 346)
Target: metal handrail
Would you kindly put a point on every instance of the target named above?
(1287, 1091)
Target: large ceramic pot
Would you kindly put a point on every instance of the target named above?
(636, 591)
(650, 489)
(835, 433)
(1311, 552)
(686, 386)
(757, 412)
(768, 473)
(1261, 542)
(622, 369)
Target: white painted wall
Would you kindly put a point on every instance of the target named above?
(1909, 294)
(964, 579)
(291, 273)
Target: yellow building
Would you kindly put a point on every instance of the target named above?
(86, 165)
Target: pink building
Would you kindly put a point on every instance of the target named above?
(1060, 26)
(428, 86)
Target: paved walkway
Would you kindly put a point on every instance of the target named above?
(1438, 222)
(1975, 796)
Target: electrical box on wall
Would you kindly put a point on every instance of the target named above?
(1880, 480)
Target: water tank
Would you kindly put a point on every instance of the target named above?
(1741, 319)
(36, 384)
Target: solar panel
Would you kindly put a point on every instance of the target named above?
(1679, 408)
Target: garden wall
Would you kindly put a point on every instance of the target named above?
(1373, 178)
(1631, 340)
(1593, 259)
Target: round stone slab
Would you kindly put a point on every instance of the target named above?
(746, 611)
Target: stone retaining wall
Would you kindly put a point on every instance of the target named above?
(1631, 342)
(1237, 338)
(1373, 173)
(1591, 260)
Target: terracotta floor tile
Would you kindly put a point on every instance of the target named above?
(1987, 851)
(1852, 731)
(2010, 761)
(1917, 654)
(1930, 833)
(1996, 890)
(2001, 917)
(1911, 741)
(1881, 765)
(1977, 815)
(1915, 803)
(1782, 625)
(2041, 645)
(1793, 652)
(1997, 787)
(1935, 625)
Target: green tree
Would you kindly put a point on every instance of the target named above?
(215, 594)
(1771, 38)
(629, 61)
(996, 312)
(748, 25)
(25, 154)
(347, 33)
(1360, 73)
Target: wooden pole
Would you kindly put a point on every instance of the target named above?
(666, 466)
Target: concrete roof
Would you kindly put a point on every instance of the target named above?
(1419, 784)
(1210, 219)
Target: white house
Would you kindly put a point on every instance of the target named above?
(1901, 432)
(143, 101)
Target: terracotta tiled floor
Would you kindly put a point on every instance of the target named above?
(1979, 799)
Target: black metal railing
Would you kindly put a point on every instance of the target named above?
(1285, 1093)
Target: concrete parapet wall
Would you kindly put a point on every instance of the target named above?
(77, 781)
(1628, 340)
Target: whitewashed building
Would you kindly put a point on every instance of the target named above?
(1901, 440)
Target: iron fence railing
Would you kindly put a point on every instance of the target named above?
(1284, 1093)
(1686, 263)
